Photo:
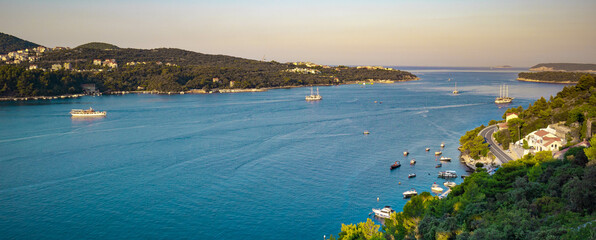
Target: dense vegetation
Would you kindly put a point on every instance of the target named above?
(98, 45)
(554, 77)
(573, 105)
(536, 197)
(168, 70)
(9, 43)
(473, 144)
(570, 67)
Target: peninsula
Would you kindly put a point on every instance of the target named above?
(41, 72)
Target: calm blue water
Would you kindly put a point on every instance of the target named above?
(234, 166)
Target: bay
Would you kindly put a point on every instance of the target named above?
(263, 165)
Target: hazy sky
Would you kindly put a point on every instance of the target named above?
(377, 32)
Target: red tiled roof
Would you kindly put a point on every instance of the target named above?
(502, 125)
(509, 114)
(541, 133)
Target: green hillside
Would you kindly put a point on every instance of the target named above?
(98, 46)
(9, 43)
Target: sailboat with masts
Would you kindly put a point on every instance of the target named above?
(313, 97)
(455, 92)
(503, 95)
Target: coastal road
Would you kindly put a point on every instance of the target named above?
(487, 133)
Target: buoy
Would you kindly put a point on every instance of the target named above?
(399, 183)
(377, 199)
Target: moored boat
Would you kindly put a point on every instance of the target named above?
(87, 113)
(442, 145)
(383, 212)
(448, 174)
(427, 149)
(439, 165)
(445, 159)
(449, 184)
(411, 175)
(395, 165)
(437, 153)
(435, 188)
(406, 153)
(410, 193)
(366, 132)
(413, 161)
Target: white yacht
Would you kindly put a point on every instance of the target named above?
(455, 92)
(383, 212)
(435, 188)
(445, 159)
(410, 193)
(449, 184)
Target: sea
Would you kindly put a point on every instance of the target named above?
(261, 165)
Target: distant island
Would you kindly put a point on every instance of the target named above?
(30, 70)
(502, 66)
(564, 67)
(563, 73)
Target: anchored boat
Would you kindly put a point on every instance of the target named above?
(445, 159)
(413, 161)
(435, 188)
(383, 212)
(410, 193)
(411, 175)
(395, 165)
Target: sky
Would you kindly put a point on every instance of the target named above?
(520, 33)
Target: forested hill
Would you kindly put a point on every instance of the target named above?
(567, 67)
(9, 43)
(63, 71)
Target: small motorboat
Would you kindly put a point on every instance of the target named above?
(427, 149)
(383, 212)
(413, 161)
(439, 165)
(411, 175)
(448, 174)
(366, 132)
(395, 165)
(437, 153)
(442, 145)
(435, 188)
(449, 184)
(406, 153)
(410, 193)
(445, 159)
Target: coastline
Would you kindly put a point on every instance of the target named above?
(198, 91)
(542, 81)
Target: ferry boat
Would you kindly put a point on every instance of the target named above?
(383, 212)
(87, 113)
(503, 95)
(410, 193)
(445, 159)
(411, 175)
(449, 184)
(435, 188)
(447, 174)
(313, 97)
(395, 165)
